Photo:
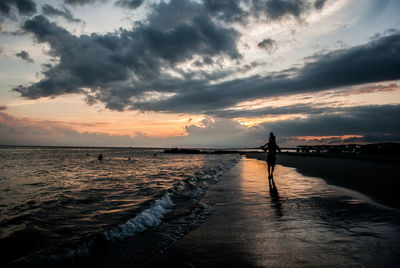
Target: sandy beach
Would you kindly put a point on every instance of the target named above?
(379, 180)
(295, 220)
(307, 216)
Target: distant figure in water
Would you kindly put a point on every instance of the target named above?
(271, 147)
(129, 158)
(87, 154)
(100, 157)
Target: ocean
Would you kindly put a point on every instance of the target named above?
(63, 205)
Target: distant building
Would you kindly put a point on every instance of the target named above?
(389, 148)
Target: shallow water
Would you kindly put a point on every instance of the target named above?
(302, 221)
(59, 206)
(57, 203)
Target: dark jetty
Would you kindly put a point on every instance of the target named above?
(196, 151)
(182, 151)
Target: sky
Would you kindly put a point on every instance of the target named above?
(199, 73)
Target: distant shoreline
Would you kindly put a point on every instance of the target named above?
(374, 176)
(363, 157)
(234, 150)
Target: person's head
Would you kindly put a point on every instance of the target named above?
(271, 137)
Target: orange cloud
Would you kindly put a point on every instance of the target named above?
(254, 121)
(17, 130)
(321, 138)
(369, 88)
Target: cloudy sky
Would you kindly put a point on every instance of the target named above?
(199, 73)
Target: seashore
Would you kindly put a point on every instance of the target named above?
(296, 219)
(293, 220)
(378, 179)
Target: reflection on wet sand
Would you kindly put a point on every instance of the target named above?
(304, 221)
(289, 220)
(276, 202)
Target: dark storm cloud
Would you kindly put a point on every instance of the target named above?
(50, 11)
(319, 4)
(376, 61)
(130, 3)
(81, 2)
(24, 7)
(25, 56)
(268, 45)
(95, 61)
(274, 10)
(373, 121)
(130, 69)
(227, 10)
(278, 9)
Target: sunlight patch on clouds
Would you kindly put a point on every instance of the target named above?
(153, 95)
(373, 94)
(255, 121)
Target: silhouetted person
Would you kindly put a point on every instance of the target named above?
(271, 147)
(100, 157)
(87, 154)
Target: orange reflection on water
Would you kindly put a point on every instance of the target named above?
(286, 181)
(295, 220)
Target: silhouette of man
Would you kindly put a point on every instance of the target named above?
(271, 147)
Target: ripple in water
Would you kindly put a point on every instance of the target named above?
(56, 203)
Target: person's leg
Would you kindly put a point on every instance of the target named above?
(269, 169)
(272, 163)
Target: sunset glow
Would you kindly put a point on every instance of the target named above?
(129, 75)
(325, 138)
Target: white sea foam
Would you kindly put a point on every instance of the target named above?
(153, 215)
(148, 218)
(221, 171)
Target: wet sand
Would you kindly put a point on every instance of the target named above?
(293, 220)
(377, 179)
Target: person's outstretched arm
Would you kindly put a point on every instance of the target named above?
(264, 145)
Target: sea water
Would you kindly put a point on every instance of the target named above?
(59, 204)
